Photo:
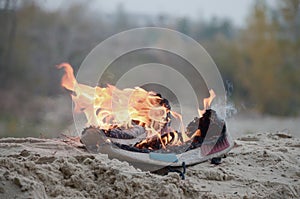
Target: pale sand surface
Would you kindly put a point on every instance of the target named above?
(260, 166)
(240, 125)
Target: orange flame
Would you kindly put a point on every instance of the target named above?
(207, 102)
(111, 107)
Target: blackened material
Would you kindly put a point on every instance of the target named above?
(164, 102)
(131, 148)
(192, 126)
(117, 133)
(130, 133)
(212, 129)
(181, 173)
(216, 161)
(154, 143)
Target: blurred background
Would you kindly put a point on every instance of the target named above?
(255, 44)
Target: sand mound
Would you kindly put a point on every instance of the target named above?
(260, 166)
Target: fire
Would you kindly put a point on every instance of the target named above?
(207, 102)
(110, 107)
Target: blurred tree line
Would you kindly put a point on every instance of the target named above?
(259, 62)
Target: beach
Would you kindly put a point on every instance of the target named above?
(261, 165)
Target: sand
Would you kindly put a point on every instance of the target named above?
(259, 166)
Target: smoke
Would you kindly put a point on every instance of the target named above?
(227, 109)
(230, 106)
(230, 109)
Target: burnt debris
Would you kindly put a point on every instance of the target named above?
(156, 143)
(130, 133)
(207, 130)
(119, 133)
(211, 129)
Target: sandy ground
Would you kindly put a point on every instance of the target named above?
(260, 166)
(242, 124)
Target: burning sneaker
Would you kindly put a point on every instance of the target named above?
(134, 125)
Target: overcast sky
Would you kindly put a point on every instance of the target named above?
(236, 10)
(233, 9)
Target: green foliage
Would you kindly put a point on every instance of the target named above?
(267, 62)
